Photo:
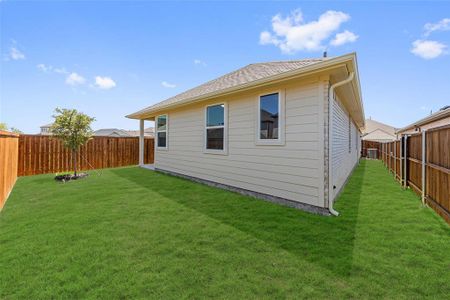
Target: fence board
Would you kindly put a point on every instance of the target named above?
(437, 166)
(9, 147)
(40, 154)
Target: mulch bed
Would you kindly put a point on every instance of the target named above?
(68, 177)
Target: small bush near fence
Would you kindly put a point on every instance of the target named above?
(424, 168)
(40, 154)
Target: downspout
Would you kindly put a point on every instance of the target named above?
(330, 140)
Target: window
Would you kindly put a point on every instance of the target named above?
(161, 131)
(215, 128)
(269, 111)
(270, 119)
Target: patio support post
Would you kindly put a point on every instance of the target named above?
(141, 142)
(424, 165)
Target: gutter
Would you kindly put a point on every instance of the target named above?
(330, 140)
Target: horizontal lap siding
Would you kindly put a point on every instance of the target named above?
(345, 150)
(290, 171)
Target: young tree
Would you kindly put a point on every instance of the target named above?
(73, 128)
(15, 130)
(3, 126)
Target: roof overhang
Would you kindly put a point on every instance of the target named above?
(434, 117)
(347, 62)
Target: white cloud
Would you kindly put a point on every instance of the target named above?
(43, 67)
(428, 49)
(49, 68)
(75, 79)
(292, 34)
(442, 25)
(60, 71)
(104, 83)
(16, 54)
(199, 62)
(344, 38)
(168, 85)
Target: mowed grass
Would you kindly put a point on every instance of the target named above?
(134, 233)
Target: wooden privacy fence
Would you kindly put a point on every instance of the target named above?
(40, 154)
(366, 145)
(9, 145)
(422, 162)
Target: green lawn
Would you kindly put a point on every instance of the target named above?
(134, 233)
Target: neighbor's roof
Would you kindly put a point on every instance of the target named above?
(250, 76)
(247, 74)
(441, 114)
(47, 125)
(111, 132)
(372, 125)
(149, 131)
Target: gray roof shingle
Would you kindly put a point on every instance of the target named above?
(236, 78)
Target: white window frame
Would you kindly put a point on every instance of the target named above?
(280, 141)
(224, 126)
(166, 131)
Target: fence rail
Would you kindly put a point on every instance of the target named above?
(422, 161)
(40, 154)
(9, 143)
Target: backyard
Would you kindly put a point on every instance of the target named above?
(134, 233)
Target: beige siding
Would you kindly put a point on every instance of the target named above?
(293, 171)
(345, 145)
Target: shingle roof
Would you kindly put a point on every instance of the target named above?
(111, 132)
(236, 78)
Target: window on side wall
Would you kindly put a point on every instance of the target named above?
(270, 119)
(161, 132)
(215, 128)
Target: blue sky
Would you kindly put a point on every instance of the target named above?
(109, 59)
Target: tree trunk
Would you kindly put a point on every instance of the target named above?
(74, 158)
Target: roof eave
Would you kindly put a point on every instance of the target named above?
(436, 116)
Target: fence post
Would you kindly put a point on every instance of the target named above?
(395, 159)
(389, 156)
(405, 183)
(424, 164)
(400, 165)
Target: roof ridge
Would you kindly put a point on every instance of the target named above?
(290, 61)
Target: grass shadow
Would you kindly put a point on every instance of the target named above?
(324, 241)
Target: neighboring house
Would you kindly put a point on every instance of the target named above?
(286, 131)
(378, 132)
(45, 129)
(438, 119)
(111, 132)
(148, 132)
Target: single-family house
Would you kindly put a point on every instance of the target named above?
(45, 129)
(284, 131)
(437, 119)
(111, 132)
(378, 132)
(148, 132)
